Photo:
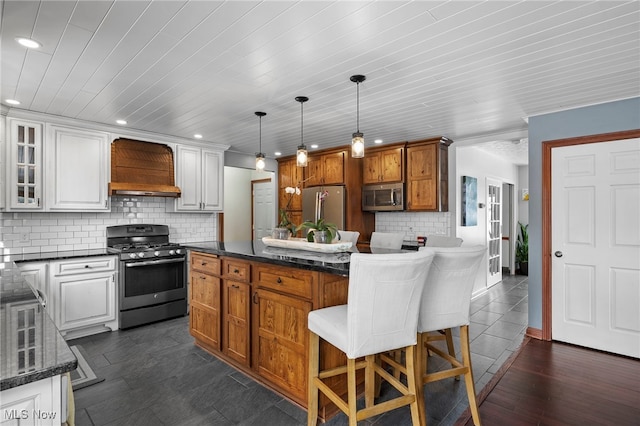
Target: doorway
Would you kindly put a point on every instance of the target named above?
(494, 231)
(591, 241)
(262, 208)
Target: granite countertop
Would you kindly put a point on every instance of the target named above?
(334, 263)
(31, 347)
(55, 255)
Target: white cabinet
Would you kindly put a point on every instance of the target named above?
(35, 273)
(199, 174)
(36, 403)
(83, 295)
(77, 165)
(3, 161)
(24, 165)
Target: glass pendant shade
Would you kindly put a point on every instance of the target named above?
(357, 145)
(260, 162)
(301, 156)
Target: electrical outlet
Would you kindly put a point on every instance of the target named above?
(24, 237)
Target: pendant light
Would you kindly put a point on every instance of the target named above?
(357, 139)
(301, 154)
(260, 161)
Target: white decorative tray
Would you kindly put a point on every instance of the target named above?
(303, 244)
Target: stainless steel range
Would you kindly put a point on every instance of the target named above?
(152, 274)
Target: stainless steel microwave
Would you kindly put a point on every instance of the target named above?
(383, 197)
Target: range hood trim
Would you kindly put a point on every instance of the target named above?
(139, 189)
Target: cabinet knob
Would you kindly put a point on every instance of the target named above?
(204, 263)
(235, 271)
(86, 266)
(279, 280)
(237, 287)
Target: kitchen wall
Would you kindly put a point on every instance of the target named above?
(34, 232)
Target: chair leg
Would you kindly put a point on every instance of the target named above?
(352, 396)
(468, 377)
(450, 347)
(420, 354)
(412, 384)
(314, 367)
(370, 380)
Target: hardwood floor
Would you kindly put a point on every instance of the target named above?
(551, 383)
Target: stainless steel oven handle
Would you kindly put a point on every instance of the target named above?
(153, 262)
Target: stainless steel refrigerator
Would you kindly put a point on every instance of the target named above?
(327, 202)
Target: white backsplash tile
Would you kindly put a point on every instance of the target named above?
(80, 231)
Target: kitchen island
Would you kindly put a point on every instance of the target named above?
(249, 305)
(34, 357)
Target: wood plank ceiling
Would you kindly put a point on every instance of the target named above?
(462, 69)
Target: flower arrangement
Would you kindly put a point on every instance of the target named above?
(285, 222)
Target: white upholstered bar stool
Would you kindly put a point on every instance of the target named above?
(386, 240)
(445, 304)
(348, 236)
(381, 314)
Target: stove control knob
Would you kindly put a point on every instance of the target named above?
(156, 253)
(132, 255)
(171, 252)
(141, 254)
(178, 251)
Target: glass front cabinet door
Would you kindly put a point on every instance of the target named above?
(25, 162)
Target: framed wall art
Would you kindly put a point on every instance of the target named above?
(469, 201)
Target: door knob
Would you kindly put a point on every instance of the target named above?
(558, 253)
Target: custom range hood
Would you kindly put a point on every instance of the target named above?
(142, 169)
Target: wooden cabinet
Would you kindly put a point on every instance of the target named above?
(383, 166)
(199, 174)
(204, 294)
(237, 290)
(325, 169)
(82, 296)
(289, 175)
(427, 187)
(254, 316)
(25, 164)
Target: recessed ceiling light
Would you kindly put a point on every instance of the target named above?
(121, 122)
(27, 42)
(277, 153)
(12, 102)
(378, 141)
(197, 136)
(314, 146)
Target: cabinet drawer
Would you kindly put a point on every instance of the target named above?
(236, 270)
(206, 263)
(286, 280)
(84, 265)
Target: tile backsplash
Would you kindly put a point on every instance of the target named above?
(34, 232)
(414, 224)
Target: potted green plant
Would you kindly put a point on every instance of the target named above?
(319, 231)
(522, 248)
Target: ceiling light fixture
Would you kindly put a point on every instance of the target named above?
(301, 154)
(12, 102)
(260, 162)
(357, 139)
(197, 136)
(121, 122)
(27, 42)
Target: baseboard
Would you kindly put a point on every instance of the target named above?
(534, 333)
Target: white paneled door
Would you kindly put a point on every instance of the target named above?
(595, 258)
(263, 209)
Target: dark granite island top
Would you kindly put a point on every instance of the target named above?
(31, 348)
(333, 263)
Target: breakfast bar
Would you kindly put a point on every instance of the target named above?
(249, 304)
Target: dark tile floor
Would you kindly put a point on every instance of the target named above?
(155, 375)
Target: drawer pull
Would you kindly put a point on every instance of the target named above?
(237, 287)
(204, 264)
(236, 271)
(87, 266)
(279, 280)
